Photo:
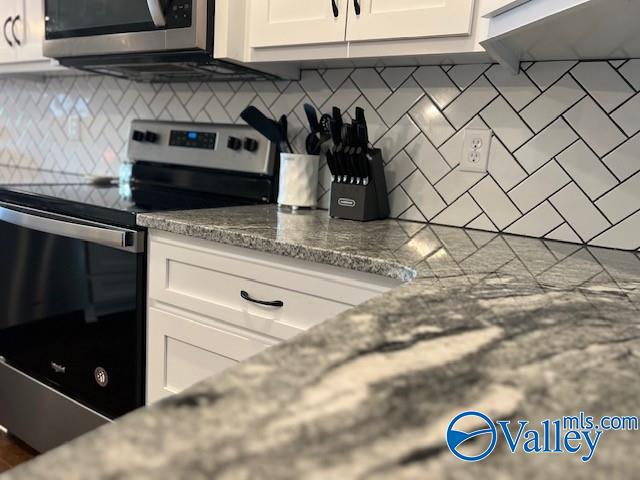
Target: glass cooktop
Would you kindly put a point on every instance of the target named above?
(116, 204)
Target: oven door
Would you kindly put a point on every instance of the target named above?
(72, 297)
(107, 27)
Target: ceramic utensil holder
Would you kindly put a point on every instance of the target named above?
(298, 180)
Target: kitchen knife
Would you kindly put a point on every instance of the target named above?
(362, 135)
(362, 129)
(336, 126)
(346, 137)
(330, 164)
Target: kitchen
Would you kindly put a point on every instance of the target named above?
(319, 239)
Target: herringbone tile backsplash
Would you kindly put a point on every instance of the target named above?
(564, 163)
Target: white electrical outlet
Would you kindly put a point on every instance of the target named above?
(475, 152)
(73, 128)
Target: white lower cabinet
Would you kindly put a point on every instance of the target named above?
(205, 313)
(182, 351)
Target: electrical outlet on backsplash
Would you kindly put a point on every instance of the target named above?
(564, 160)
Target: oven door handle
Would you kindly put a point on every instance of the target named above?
(155, 9)
(113, 237)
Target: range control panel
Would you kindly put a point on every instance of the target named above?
(193, 139)
(226, 147)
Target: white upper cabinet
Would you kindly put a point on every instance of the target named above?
(12, 24)
(275, 23)
(373, 32)
(395, 19)
(22, 36)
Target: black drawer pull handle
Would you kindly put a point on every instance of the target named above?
(334, 5)
(247, 297)
(356, 5)
(13, 30)
(6, 36)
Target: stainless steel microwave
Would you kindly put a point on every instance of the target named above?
(144, 40)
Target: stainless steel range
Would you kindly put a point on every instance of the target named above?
(73, 263)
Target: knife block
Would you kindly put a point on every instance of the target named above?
(362, 203)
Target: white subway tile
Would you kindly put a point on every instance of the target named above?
(576, 208)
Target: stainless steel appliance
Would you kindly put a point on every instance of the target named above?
(144, 40)
(73, 263)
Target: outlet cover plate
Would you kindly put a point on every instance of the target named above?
(475, 150)
(73, 127)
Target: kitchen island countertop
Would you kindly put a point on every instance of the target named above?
(514, 327)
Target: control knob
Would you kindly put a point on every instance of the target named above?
(234, 143)
(151, 137)
(138, 136)
(250, 144)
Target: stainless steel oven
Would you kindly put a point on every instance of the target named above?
(144, 40)
(72, 299)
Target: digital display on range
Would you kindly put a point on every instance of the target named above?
(191, 139)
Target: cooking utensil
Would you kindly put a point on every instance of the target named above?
(267, 127)
(312, 117)
(313, 142)
(325, 126)
(284, 129)
(336, 126)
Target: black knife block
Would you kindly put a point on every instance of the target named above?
(361, 202)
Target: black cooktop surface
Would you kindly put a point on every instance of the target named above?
(116, 205)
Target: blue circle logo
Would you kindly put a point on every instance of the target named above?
(457, 438)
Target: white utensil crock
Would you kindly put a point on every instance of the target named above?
(298, 180)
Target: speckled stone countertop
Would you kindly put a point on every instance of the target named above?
(516, 328)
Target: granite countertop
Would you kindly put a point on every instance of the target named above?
(516, 328)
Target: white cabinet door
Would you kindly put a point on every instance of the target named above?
(9, 10)
(275, 23)
(393, 19)
(182, 352)
(32, 31)
(22, 39)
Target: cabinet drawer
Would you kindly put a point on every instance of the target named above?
(209, 281)
(182, 352)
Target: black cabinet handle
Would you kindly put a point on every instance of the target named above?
(356, 5)
(247, 297)
(4, 29)
(13, 30)
(334, 5)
